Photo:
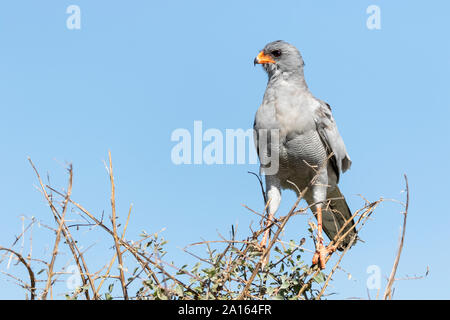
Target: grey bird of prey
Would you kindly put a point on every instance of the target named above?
(308, 145)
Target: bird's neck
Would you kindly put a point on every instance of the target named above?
(295, 79)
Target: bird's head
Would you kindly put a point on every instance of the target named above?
(280, 56)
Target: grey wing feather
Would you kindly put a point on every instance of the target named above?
(330, 136)
(255, 137)
(256, 142)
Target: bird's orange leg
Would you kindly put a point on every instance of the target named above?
(321, 252)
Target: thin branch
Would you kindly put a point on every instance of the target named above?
(58, 236)
(32, 286)
(116, 237)
(71, 243)
(388, 291)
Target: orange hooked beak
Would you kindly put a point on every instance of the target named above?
(263, 58)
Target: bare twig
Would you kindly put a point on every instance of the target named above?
(388, 291)
(81, 264)
(32, 286)
(116, 237)
(58, 236)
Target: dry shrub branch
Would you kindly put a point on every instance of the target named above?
(231, 269)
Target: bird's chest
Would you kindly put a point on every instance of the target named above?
(299, 147)
(288, 112)
(301, 153)
(299, 159)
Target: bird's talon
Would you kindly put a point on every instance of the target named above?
(321, 254)
(331, 249)
(315, 259)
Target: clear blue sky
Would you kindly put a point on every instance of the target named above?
(137, 70)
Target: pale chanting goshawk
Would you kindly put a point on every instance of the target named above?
(307, 145)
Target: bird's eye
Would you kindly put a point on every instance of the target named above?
(276, 53)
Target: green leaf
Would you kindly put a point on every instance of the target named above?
(292, 244)
(195, 268)
(319, 278)
(285, 285)
(179, 291)
(135, 270)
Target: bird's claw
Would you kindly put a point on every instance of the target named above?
(321, 254)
